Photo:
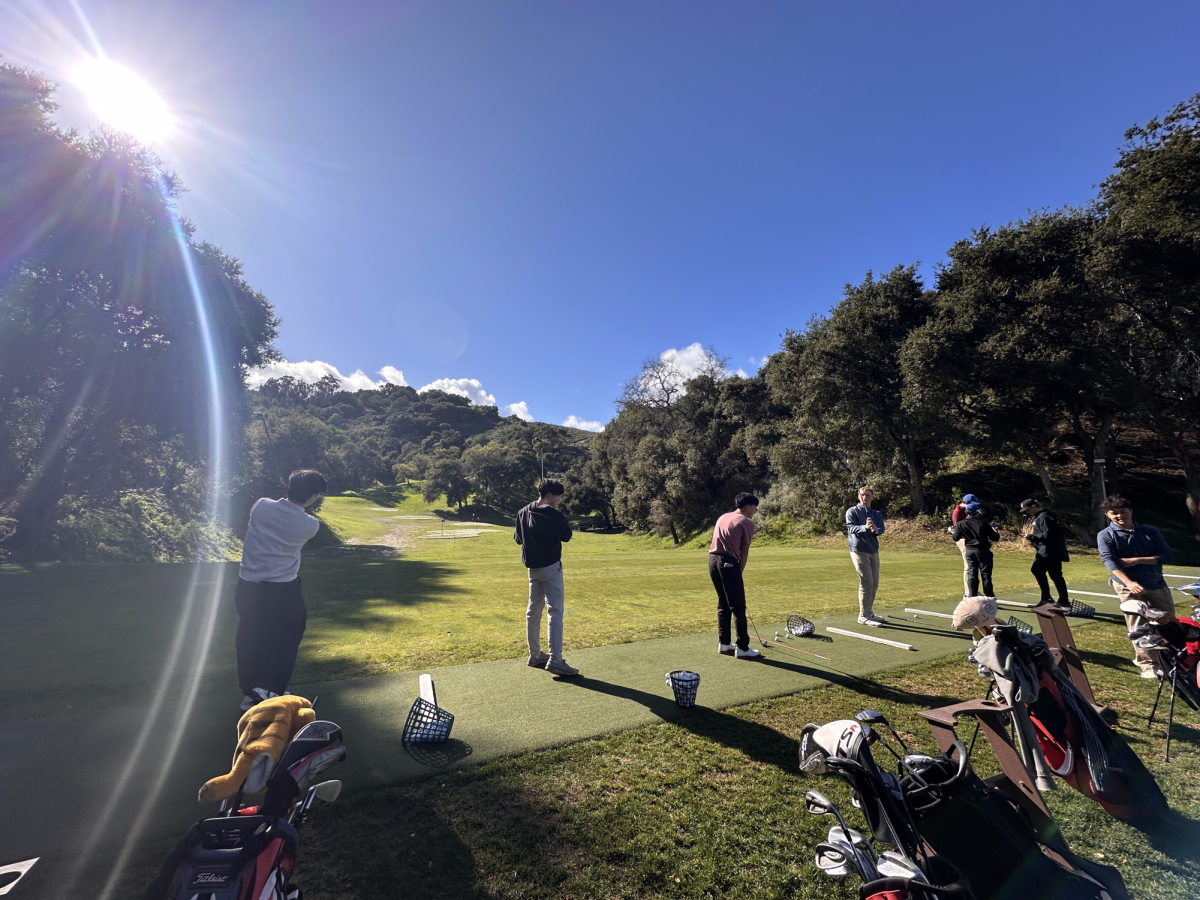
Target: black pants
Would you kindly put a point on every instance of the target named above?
(271, 620)
(979, 568)
(1043, 566)
(726, 576)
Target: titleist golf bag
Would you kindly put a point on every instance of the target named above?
(940, 806)
(1076, 743)
(842, 747)
(249, 853)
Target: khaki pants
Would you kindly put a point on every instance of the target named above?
(545, 589)
(962, 548)
(1158, 598)
(867, 567)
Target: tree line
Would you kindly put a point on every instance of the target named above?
(1048, 343)
(1040, 340)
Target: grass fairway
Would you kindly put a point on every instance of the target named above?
(712, 807)
(97, 634)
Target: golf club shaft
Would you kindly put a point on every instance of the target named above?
(782, 646)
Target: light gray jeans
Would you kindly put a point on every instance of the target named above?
(867, 567)
(545, 589)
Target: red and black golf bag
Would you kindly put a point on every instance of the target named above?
(1078, 745)
(249, 853)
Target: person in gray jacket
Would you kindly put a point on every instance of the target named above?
(863, 527)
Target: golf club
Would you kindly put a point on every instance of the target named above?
(892, 865)
(820, 805)
(856, 840)
(326, 792)
(874, 717)
(782, 646)
(835, 861)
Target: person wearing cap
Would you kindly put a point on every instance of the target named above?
(1135, 554)
(977, 536)
(957, 515)
(1045, 534)
(863, 527)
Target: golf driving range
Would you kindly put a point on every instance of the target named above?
(723, 775)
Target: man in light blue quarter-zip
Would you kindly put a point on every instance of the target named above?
(863, 527)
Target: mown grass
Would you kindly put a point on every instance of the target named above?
(711, 807)
(442, 602)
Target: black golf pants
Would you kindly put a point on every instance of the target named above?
(1042, 566)
(726, 576)
(271, 620)
(979, 568)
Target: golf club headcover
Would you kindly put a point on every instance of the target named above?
(842, 737)
(264, 731)
(975, 612)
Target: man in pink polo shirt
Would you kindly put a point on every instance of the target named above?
(727, 558)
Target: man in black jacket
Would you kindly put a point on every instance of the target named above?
(977, 536)
(541, 530)
(1044, 533)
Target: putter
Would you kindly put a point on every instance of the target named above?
(820, 805)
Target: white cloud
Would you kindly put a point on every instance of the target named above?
(470, 388)
(576, 422)
(314, 371)
(392, 375)
(520, 410)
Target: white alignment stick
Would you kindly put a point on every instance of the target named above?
(925, 612)
(1013, 604)
(1184, 577)
(867, 637)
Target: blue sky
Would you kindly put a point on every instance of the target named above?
(540, 195)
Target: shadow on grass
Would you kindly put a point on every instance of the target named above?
(1106, 660)
(759, 742)
(865, 686)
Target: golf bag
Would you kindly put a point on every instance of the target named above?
(249, 853)
(974, 827)
(1077, 744)
(943, 881)
(1178, 645)
(241, 857)
(986, 834)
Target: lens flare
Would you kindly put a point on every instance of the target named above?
(124, 100)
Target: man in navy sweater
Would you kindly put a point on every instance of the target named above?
(541, 531)
(1135, 555)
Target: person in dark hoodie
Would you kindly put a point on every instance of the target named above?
(541, 530)
(1045, 534)
(977, 536)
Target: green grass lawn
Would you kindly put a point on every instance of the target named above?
(97, 634)
(709, 807)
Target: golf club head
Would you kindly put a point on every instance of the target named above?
(870, 717)
(834, 861)
(314, 749)
(892, 865)
(818, 804)
(839, 835)
(327, 791)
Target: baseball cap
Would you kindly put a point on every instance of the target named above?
(1025, 504)
(971, 507)
(970, 498)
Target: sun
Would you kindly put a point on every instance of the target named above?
(124, 100)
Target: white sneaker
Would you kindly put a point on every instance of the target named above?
(1149, 674)
(726, 649)
(747, 654)
(873, 621)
